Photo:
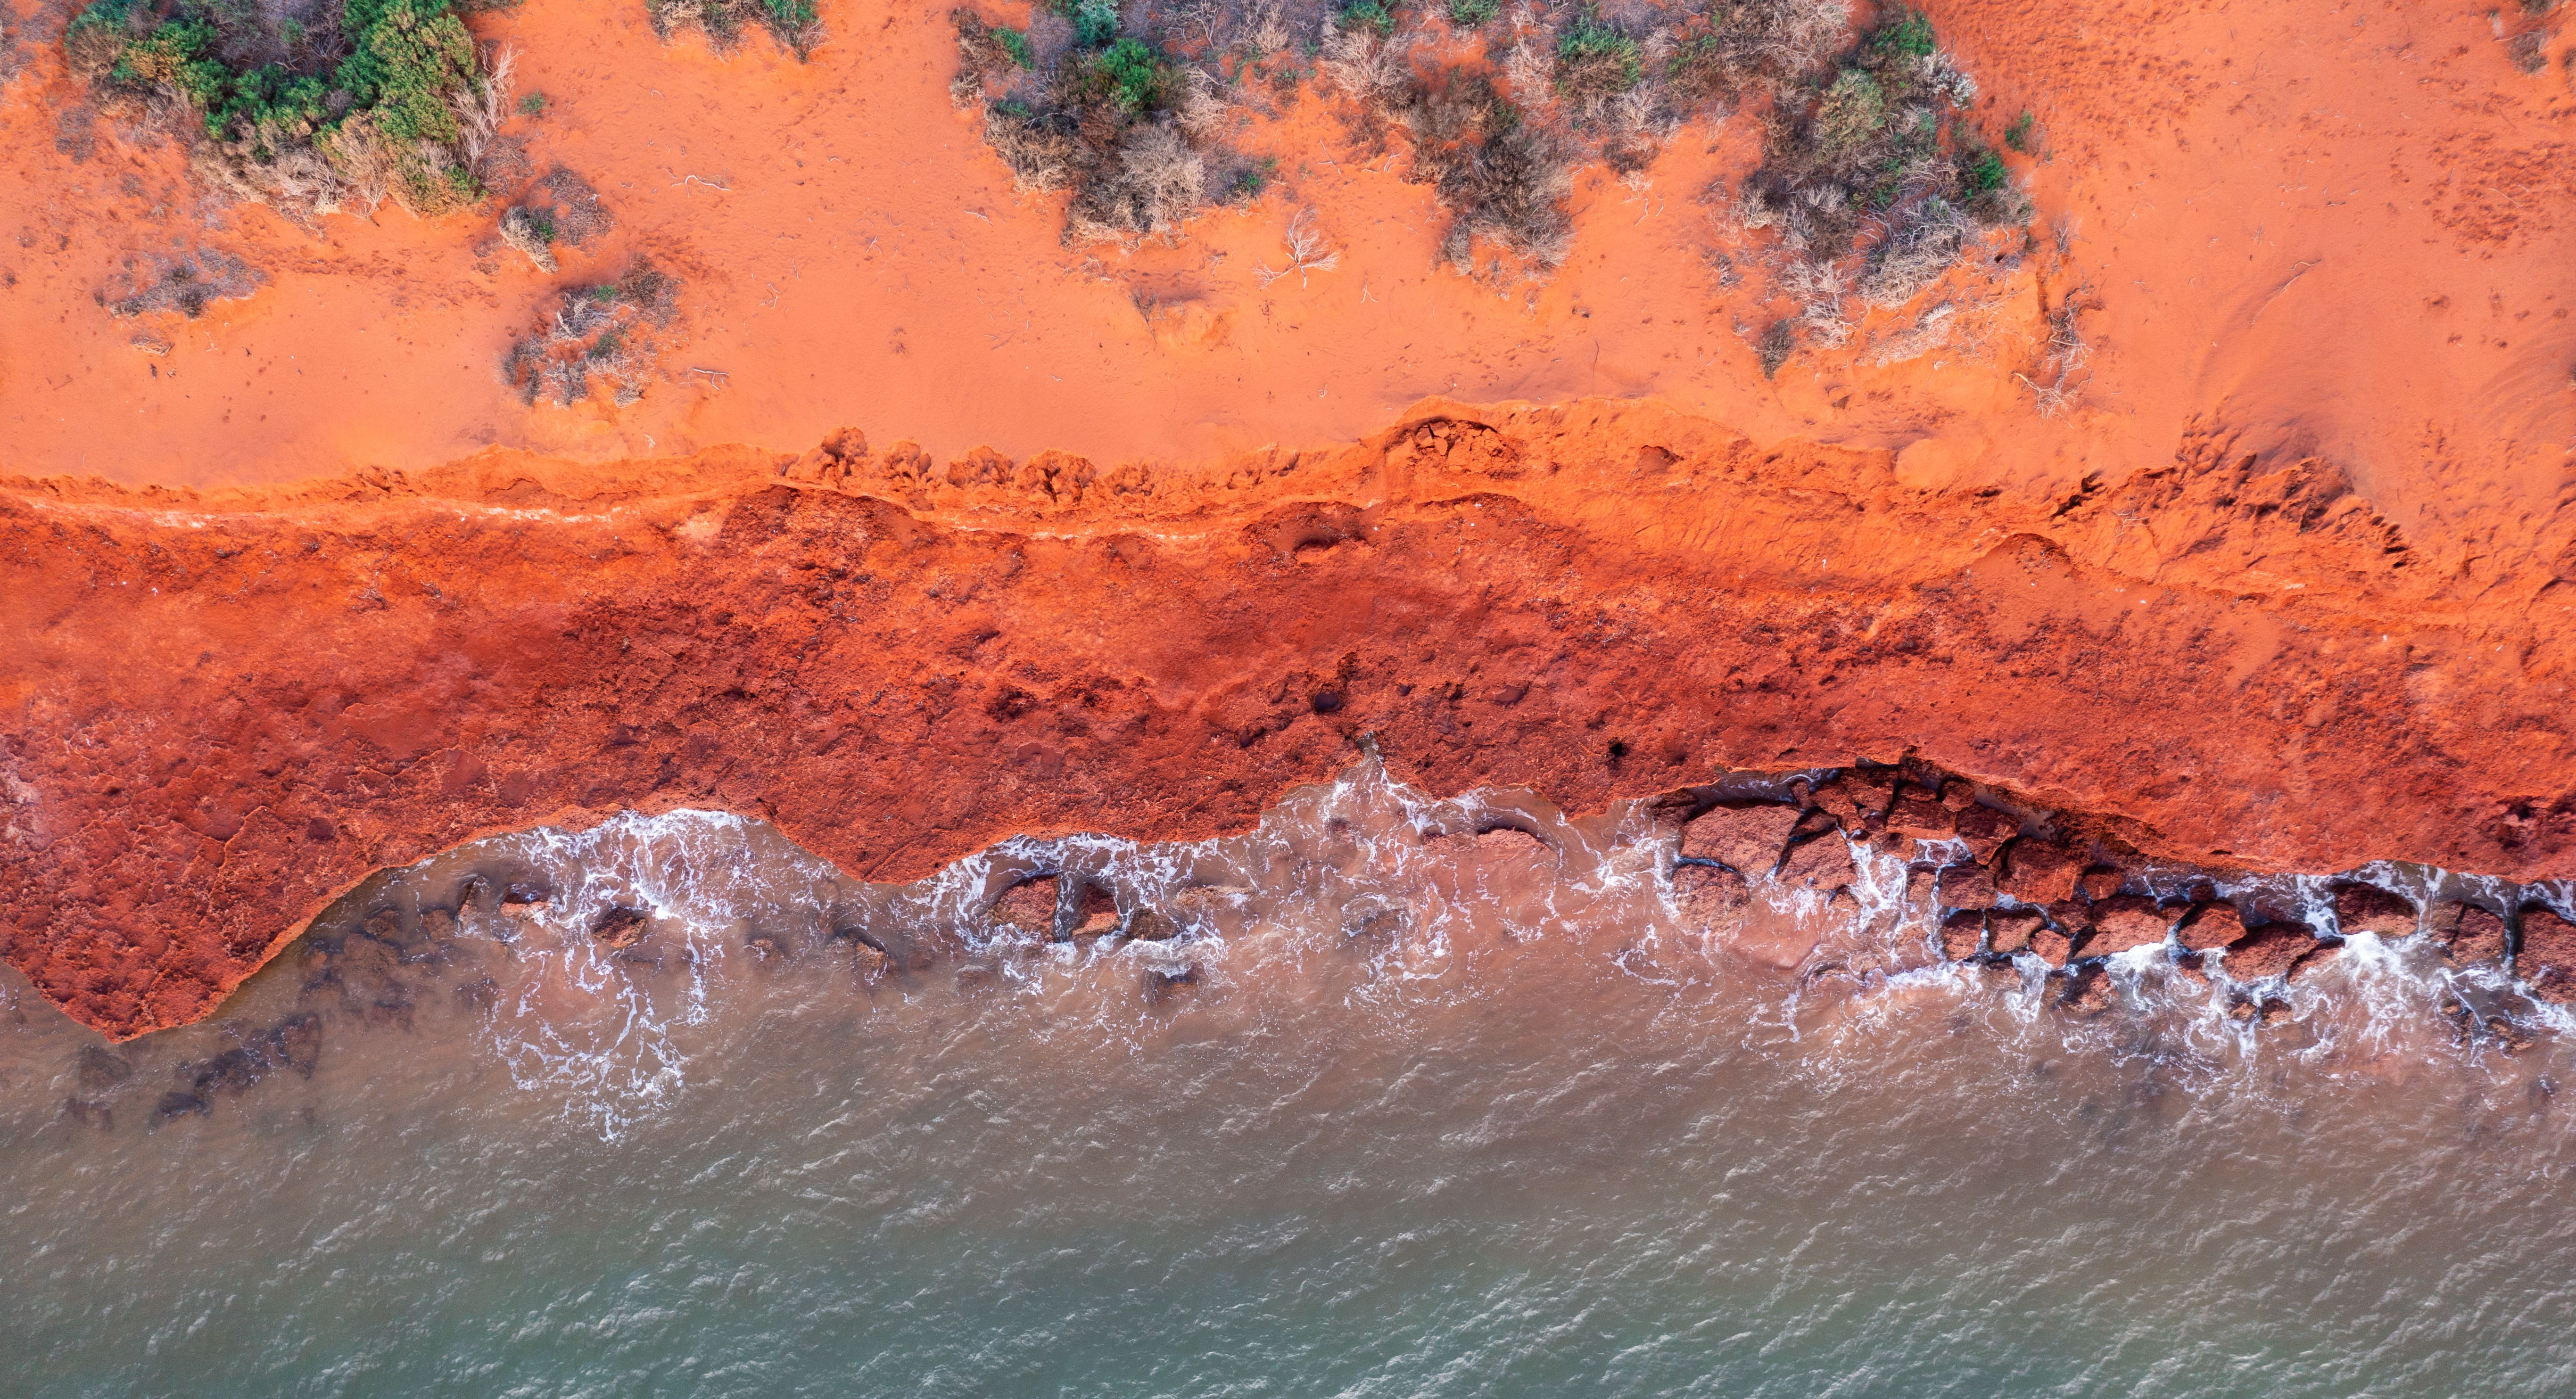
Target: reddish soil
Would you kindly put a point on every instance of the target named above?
(226, 708)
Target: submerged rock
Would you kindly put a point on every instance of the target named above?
(2468, 934)
(618, 927)
(2085, 991)
(1161, 987)
(1823, 863)
(101, 1069)
(1709, 896)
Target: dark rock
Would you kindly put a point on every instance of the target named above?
(2189, 965)
(1958, 796)
(1709, 896)
(2547, 957)
(2271, 950)
(2011, 930)
(2037, 873)
(618, 927)
(1985, 830)
(2098, 883)
(101, 1069)
(1744, 837)
(2051, 945)
(1967, 886)
(2212, 926)
(2364, 908)
(1857, 797)
(1824, 863)
(2120, 924)
(1919, 819)
(1095, 912)
(1963, 934)
(1028, 906)
(2073, 915)
(2467, 933)
(1814, 823)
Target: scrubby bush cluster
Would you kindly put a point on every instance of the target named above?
(597, 338)
(355, 102)
(725, 22)
(1878, 181)
(1109, 116)
(1872, 178)
(559, 211)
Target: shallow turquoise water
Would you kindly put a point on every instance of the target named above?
(1521, 1135)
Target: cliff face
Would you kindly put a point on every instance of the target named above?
(221, 711)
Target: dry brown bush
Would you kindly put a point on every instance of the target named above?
(726, 23)
(597, 337)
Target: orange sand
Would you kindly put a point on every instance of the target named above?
(2338, 231)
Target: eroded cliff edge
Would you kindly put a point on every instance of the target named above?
(222, 710)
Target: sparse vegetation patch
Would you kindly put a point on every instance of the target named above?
(1869, 156)
(725, 23)
(559, 211)
(354, 103)
(596, 339)
(186, 284)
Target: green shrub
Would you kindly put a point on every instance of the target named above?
(406, 57)
(1368, 14)
(1853, 113)
(1910, 36)
(1095, 22)
(1134, 76)
(1016, 44)
(380, 104)
(1981, 171)
(1468, 14)
(2017, 135)
(1593, 59)
(533, 105)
